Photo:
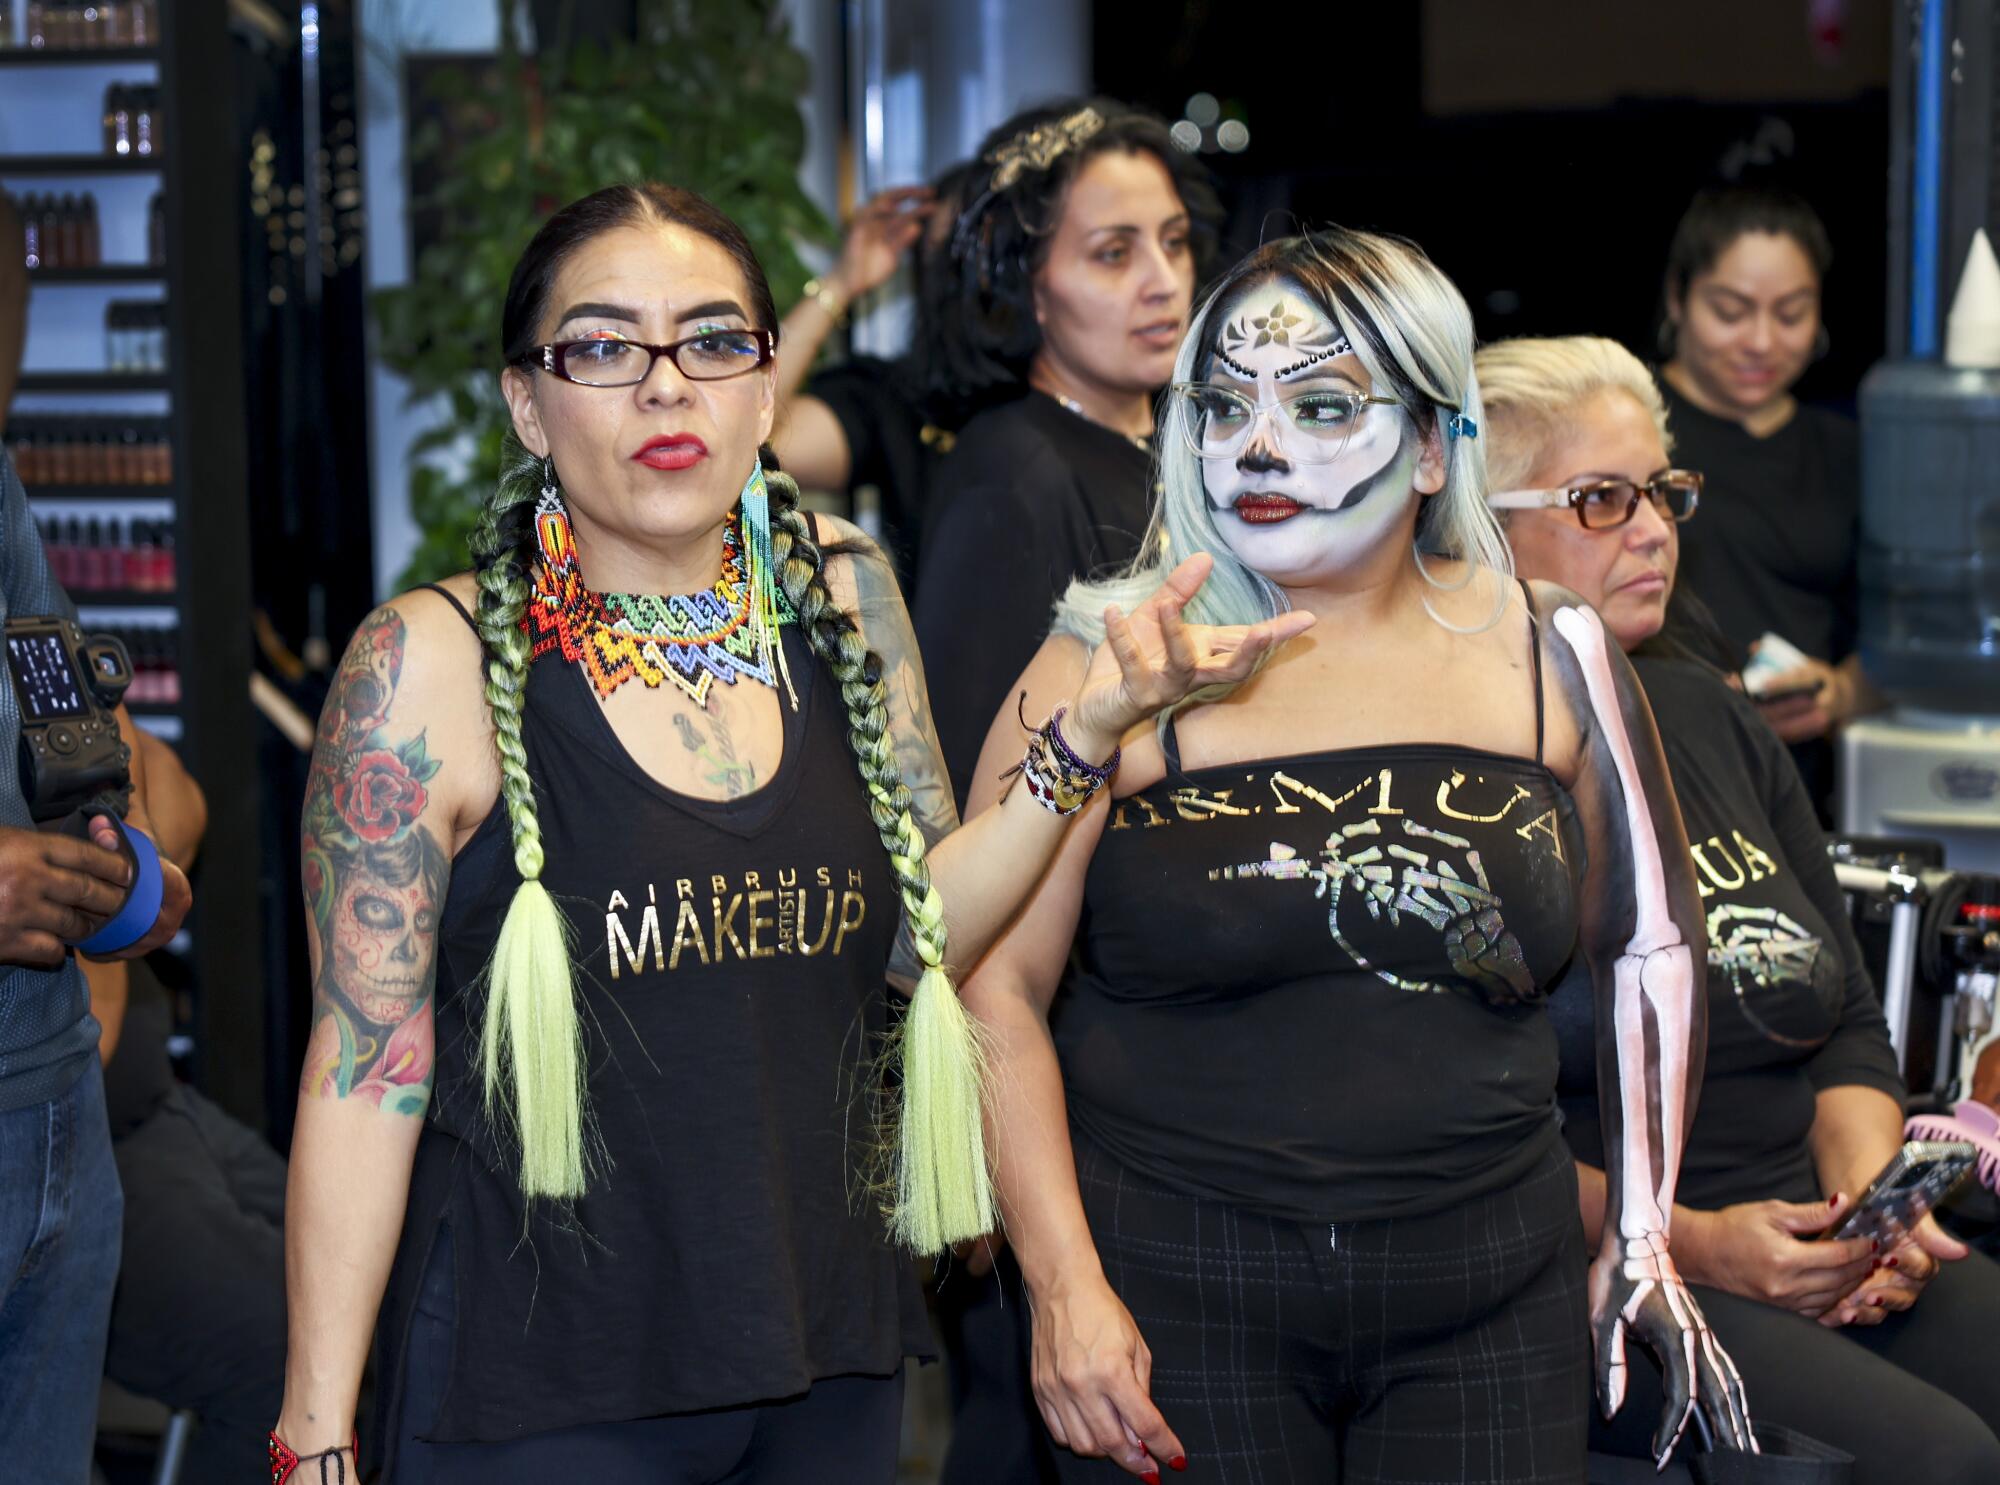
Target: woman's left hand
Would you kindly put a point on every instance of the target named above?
(1899, 1276)
(1813, 698)
(1153, 659)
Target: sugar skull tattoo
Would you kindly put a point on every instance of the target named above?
(375, 881)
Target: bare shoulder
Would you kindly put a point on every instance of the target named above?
(1572, 717)
(412, 681)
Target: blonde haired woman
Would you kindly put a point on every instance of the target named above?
(1284, 1177)
(1801, 1101)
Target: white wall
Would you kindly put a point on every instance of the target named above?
(391, 28)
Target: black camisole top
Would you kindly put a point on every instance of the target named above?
(1312, 985)
(730, 963)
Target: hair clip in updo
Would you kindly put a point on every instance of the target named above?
(1032, 149)
(1460, 426)
(1037, 148)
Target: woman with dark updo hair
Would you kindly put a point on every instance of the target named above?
(1076, 257)
(610, 1189)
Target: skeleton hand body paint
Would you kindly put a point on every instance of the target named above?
(1634, 1285)
(1299, 502)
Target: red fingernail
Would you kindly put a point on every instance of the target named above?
(1151, 1477)
(1888, 1263)
(1178, 1462)
(1874, 1245)
(1835, 1201)
(1878, 1301)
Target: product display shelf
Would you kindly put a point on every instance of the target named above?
(95, 381)
(75, 56)
(23, 166)
(39, 493)
(200, 395)
(102, 273)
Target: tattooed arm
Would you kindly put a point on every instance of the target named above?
(1642, 935)
(381, 814)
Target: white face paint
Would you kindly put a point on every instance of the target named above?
(1295, 521)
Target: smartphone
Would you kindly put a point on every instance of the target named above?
(1811, 688)
(1916, 1181)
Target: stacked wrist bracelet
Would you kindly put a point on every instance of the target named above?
(284, 1461)
(1058, 778)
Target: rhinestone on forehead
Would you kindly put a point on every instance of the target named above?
(1340, 347)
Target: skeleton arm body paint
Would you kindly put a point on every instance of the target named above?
(1647, 1083)
(1655, 972)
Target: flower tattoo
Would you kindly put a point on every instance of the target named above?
(374, 881)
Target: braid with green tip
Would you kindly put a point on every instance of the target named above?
(531, 1038)
(943, 1191)
(837, 641)
(502, 544)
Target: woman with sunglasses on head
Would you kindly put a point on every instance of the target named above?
(1283, 1169)
(1801, 1103)
(627, 1164)
(1053, 328)
(1776, 550)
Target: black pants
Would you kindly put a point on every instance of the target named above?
(845, 1428)
(1915, 1400)
(1448, 1347)
(198, 1320)
(997, 1433)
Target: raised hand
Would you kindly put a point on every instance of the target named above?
(883, 229)
(1153, 658)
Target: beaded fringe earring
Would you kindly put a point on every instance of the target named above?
(760, 571)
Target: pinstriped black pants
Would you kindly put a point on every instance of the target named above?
(1453, 1347)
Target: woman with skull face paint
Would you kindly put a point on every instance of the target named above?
(623, 1168)
(1284, 1172)
(1801, 1102)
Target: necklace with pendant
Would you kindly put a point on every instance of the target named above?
(690, 640)
(1140, 441)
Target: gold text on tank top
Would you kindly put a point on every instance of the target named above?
(1452, 802)
(710, 920)
(1722, 872)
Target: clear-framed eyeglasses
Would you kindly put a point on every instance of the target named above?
(1218, 422)
(613, 361)
(1603, 504)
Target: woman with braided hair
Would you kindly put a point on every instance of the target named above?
(608, 1186)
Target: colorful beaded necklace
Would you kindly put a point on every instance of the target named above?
(690, 639)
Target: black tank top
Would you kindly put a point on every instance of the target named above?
(1311, 985)
(730, 960)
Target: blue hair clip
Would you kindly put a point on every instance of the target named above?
(1461, 426)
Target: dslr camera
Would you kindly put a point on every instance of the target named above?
(74, 766)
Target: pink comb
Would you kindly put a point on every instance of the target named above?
(1973, 1122)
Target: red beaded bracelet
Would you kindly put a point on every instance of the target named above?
(284, 1461)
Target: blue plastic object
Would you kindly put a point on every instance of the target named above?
(142, 904)
(1927, 210)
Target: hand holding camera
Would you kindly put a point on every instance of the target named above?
(84, 879)
(55, 891)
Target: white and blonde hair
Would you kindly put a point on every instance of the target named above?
(1535, 389)
(1413, 332)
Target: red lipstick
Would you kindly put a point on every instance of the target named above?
(671, 451)
(1266, 510)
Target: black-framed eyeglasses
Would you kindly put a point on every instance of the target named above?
(613, 361)
(1603, 504)
(1217, 422)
